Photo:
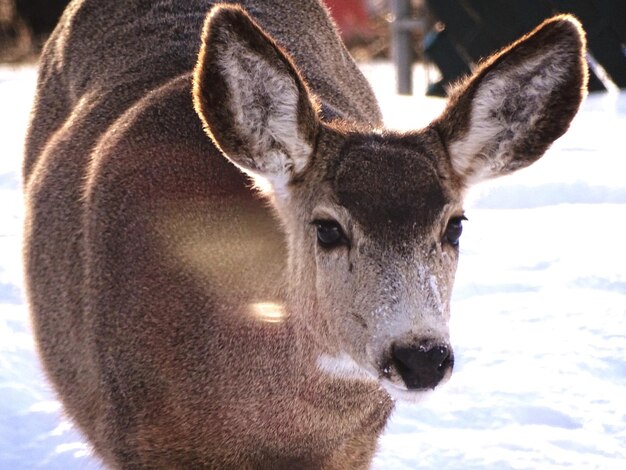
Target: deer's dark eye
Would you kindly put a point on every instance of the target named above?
(329, 233)
(454, 230)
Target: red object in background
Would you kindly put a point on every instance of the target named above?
(350, 15)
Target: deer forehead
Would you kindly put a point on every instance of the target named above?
(392, 185)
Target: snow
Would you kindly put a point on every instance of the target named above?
(538, 314)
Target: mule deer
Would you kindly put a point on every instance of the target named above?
(190, 320)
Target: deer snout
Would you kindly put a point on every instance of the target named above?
(422, 366)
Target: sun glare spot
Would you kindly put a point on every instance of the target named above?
(262, 184)
(268, 312)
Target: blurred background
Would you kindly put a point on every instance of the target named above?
(448, 36)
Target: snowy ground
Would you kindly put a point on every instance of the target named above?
(539, 313)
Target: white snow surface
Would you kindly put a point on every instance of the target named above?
(538, 313)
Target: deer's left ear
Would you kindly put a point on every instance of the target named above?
(517, 102)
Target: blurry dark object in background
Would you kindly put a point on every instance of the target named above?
(476, 28)
(15, 39)
(41, 16)
(25, 26)
(439, 49)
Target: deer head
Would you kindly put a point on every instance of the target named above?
(372, 217)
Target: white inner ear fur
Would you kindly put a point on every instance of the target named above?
(264, 103)
(485, 149)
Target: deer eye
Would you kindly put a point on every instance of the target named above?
(329, 233)
(454, 230)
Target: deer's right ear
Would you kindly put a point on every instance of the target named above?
(251, 99)
(517, 103)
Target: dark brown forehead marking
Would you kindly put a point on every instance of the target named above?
(390, 182)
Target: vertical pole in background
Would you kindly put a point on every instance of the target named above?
(401, 45)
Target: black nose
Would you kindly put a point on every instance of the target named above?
(422, 366)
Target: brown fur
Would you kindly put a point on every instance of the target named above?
(182, 323)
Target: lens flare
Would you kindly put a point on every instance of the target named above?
(268, 312)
